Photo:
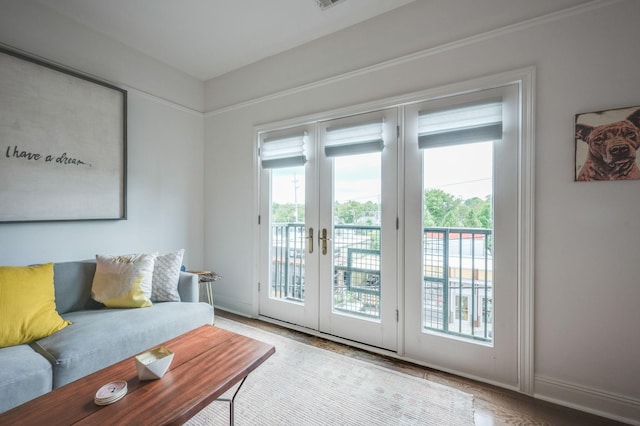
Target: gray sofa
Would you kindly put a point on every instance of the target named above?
(97, 337)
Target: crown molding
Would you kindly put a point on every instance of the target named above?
(432, 51)
(128, 88)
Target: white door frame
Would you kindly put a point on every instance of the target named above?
(525, 79)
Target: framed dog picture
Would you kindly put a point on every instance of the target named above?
(607, 144)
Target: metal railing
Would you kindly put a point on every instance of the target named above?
(356, 270)
(458, 282)
(457, 277)
(287, 264)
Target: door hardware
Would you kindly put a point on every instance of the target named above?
(324, 240)
(310, 238)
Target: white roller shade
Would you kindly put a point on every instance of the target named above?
(288, 151)
(354, 139)
(467, 124)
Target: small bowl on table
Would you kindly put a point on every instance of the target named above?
(152, 365)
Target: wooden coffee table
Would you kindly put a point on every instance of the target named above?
(208, 361)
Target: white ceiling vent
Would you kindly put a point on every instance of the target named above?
(327, 3)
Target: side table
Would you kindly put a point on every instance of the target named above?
(207, 277)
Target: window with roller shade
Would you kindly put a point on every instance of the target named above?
(283, 151)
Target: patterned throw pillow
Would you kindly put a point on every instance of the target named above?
(123, 281)
(166, 275)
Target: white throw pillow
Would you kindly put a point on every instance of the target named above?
(166, 274)
(123, 281)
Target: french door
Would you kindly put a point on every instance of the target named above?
(328, 227)
(461, 264)
(288, 267)
(408, 228)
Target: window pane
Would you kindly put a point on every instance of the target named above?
(356, 243)
(287, 233)
(457, 240)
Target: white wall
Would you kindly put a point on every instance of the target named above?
(165, 144)
(587, 289)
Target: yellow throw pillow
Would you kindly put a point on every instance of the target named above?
(27, 304)
(123, 281)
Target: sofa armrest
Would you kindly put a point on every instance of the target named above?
(189, 287)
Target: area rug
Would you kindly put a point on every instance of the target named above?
(304, 385)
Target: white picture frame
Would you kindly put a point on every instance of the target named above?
(63, 146)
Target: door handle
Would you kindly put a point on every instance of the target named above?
(310, 238)
(324, 240)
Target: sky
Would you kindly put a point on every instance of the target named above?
(462, 170)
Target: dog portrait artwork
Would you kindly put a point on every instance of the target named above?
(607, 143)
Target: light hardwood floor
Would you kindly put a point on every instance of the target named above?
(493, 405)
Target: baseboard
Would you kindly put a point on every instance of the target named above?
(594, 401)
(231, 306)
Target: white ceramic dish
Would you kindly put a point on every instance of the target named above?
(153, 364)
(111, 392)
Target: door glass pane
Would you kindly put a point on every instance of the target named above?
(356, 239)
(457, 240)
(287, 234)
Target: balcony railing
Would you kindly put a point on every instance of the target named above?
(287, 264)
(458, 282)
(457, 293)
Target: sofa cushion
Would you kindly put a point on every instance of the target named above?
(166, 273)
(27, 304)
(24, 375)
(123, 281)
(73, 285)
(99, 338)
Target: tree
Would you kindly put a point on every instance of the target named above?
(349, 212)
(471, 220)
(428, 220)
(450, 220)
(441, 205)
(438, 203)
(441, 209)
(286, 213)
(446, 210)
(485, 215)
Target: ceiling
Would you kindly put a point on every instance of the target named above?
(208, 38)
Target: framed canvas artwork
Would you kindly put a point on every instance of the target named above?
(63, 148)
(606, 145)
